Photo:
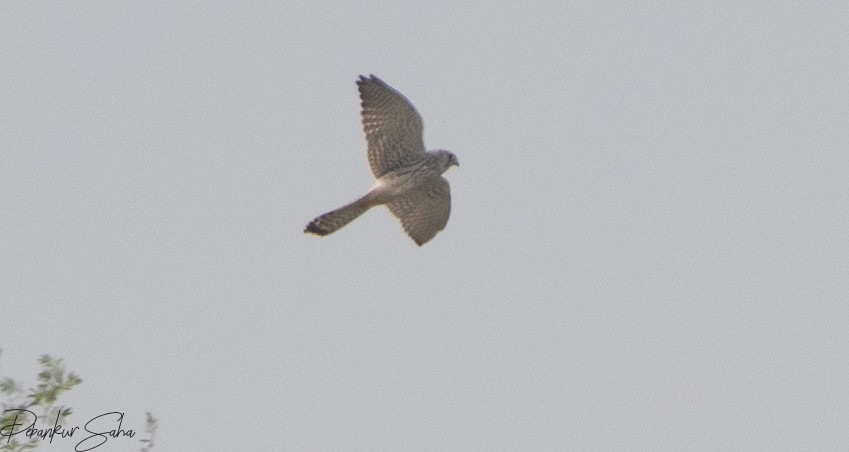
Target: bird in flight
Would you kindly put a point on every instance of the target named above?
(409, 179)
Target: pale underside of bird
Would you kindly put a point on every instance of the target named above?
(409, 179)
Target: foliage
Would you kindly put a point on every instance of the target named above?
(53, 380)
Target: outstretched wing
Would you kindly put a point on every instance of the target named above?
(393, 127)
(424, 211)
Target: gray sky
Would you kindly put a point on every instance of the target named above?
(647, 247)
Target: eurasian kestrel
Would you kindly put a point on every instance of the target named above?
(409, 179)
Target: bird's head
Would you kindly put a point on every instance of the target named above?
(450, 158)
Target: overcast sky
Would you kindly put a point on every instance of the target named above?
(647, 248)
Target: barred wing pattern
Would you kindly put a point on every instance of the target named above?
(424, 211)
(409, 180)
(392, 126)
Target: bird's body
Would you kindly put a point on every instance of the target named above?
(429, 167)
(409, 180)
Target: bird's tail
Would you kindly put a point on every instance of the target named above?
(334, 220)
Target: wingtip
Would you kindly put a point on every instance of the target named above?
(370, 78)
